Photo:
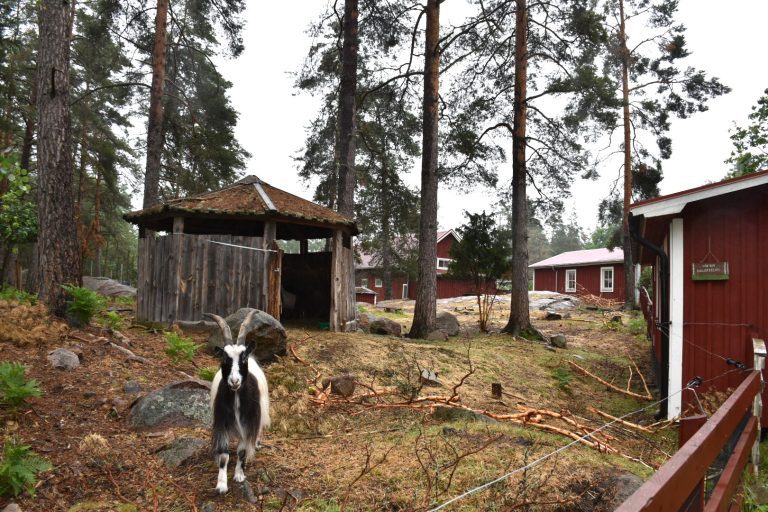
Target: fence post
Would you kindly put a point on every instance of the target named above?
(758, 348)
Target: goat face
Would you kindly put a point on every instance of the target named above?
(234, 364)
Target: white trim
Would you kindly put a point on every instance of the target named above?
(676, 204)
(676, 282)
(533, 285)
(378, 283)
(405, 291)
(567, 281)
(603, 288)
(638, 269)
(449, 260)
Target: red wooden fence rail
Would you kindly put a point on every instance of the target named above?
(674, 483)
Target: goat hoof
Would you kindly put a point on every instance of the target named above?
(239, 477)
(221, 489)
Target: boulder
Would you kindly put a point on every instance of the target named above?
(63, 359)
(447, 323)
(343, 385)
(551, 315)
(445, 413)
(265, 332)
(437, 335)
(381, 325)
(364, 321)
(183, 403)
(181, 450)
(429, 378)
(109, 287)
(132, 387)
(558, 340)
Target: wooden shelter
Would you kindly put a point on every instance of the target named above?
(219, 253)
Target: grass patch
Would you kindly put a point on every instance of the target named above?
(8, 292)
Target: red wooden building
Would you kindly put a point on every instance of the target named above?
(369, 274)
(591, 271)
(707, 246)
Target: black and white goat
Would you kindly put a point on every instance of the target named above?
(239, 400)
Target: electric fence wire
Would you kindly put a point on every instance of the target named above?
(727, 360)
(551, 454)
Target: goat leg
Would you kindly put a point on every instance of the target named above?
(240, 466)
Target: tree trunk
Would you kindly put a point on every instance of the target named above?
(424, 315)
(626, 240)
(519, 316)
(58, 258)
(156, 113)
(29, 131)
(346, 119)
(96, 231)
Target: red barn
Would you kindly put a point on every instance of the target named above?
(707, 246)
(369, 274)
(591, 271)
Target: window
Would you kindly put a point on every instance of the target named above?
(570, 280)
(364, 282)
(443, 263)
(606, 279)
(378, 283)
(405, 290)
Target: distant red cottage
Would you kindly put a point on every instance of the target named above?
(707, 246)
(591, 271)
(368, 274)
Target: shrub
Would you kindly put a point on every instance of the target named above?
(14, 387)
(207, 373)
(179, 347)
(10, 293)
(84, 304)
(113, 320)
(563, 378)
(19, 469)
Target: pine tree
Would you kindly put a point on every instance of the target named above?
(750, 144)
(58, 257)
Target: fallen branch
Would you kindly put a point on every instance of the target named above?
(619, 420)
(645, 385)
(648, 397)
(131, 355)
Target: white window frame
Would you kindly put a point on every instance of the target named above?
(604, 288)
(405, 290)
(568, 271)
(446, 266)
(364, 282)
(378, 283)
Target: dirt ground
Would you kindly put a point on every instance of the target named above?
(359, 454)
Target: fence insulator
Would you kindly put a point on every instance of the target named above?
(694, 382)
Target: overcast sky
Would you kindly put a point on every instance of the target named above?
(727, 40)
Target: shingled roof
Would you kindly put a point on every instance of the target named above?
(248, 200)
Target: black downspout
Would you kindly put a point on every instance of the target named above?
(663, 323)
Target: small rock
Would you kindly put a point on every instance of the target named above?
(381, 325)
(132, 387)
(181, 450)
(551, 315)
(89, 394)
(207, 507)
(550, 348)
(445, 413)
(450, 431)
(63, 359)
(119, 403)
(447, 323)
(616, 319)
(429, 378)
(12, 507)
(558, 340)
(343, 385)
(437, 335)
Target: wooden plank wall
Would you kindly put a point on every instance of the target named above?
(209, 277)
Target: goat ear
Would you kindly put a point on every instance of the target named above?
(249, 348)
(218, 352)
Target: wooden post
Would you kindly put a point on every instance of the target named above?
(496, 390)
(758, 349)
(270, 233)
(274, 262)
(335, 320)
(303, 246)
(177, 248)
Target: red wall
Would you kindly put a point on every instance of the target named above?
(587, 280)
(446, 288)
(722, 316)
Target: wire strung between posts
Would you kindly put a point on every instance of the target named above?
(241, 246)
(565, 447)
(727, 360)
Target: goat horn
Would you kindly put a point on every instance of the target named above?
(244, 327)
(224, 327)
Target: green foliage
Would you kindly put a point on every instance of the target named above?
(646, 280)
(636, 325)
(18, 212)
(563, 377)
(112, 320)
(14, 386)
(125, 300)
(8, 292)
(84, 303)
(179, 347)
(19, 469)
(207, 372)
(481, 254)
(750, 143)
